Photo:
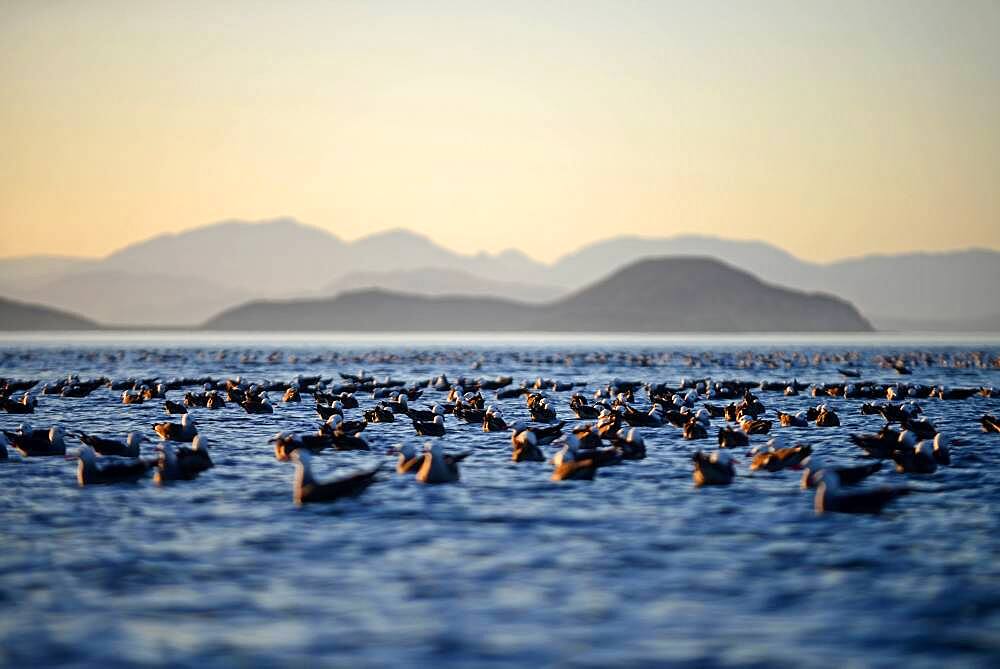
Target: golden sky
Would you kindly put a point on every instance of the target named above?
(829, 128)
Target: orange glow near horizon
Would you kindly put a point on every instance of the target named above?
(830, 129)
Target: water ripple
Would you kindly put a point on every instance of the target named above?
(506, 568)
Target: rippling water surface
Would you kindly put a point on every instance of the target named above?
(507, 567)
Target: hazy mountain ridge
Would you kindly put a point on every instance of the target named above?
(953, 285)
(959, 286)
(113, 297)
(183, 278)
(704, 295)
(265, 257)
(433, 281)
(657, 295)
(374, 310)
(282, 258)
(24, 270)
(15, 315)
(604, 256)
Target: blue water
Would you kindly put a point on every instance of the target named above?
(506, 568)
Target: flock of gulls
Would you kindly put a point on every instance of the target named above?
(606, 430)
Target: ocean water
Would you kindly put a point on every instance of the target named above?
(505, 568)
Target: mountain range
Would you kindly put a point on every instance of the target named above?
(16, 315)
(678, 294)
(183, 279)
(439, 282)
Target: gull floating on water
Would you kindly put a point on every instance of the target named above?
(307, 490)
(127, 449)
(183, 463)
(830, 497)
(184, 431)
(439, 467)
(90, 471)
(567, 465)
(715, 468)
(30, 442)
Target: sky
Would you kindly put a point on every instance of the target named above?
(831, 129)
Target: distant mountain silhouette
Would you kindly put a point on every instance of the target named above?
(16, 315)
(401, 250)
(375, 310)
(256, 259)
(114, 297)
(434, 281)
(657, 295)
(226, 263)
(954, 286)
(23, 271)
(959, 287)
(236, 253)
(602, 258)
(692, 294)
(182, 279)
